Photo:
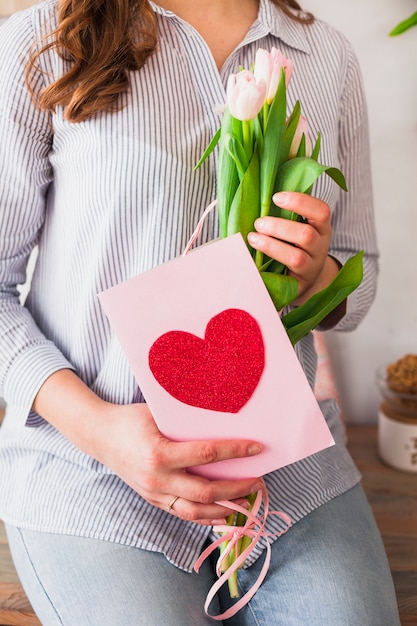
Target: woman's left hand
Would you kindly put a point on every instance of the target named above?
(301, 246)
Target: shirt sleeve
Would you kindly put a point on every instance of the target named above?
(27, 357)
(353, 220)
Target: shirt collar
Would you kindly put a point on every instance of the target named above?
(271, 20)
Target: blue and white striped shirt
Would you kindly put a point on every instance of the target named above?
(114, 196)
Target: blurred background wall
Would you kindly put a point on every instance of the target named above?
(389, 67)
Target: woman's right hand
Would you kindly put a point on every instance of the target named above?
(133, 447)
(126, 439)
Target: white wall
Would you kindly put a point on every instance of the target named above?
(389, 67)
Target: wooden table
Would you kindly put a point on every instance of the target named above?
(15, 609)
(393, 497)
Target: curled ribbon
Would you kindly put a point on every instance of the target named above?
(254, 528)
(199, 227)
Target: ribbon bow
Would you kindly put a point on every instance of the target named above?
(254, 528)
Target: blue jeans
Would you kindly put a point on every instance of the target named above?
(329, 569)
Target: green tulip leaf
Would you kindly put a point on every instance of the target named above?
(301, 152)
(308, 316)
(315, 155)
(282, 289)
(273, 136)
(301, 173)
(258, 133)
(316, 149)
(404, 25)
(336, 175)
(276, 267)
(228, 178)
(237, 153)
(266, 265)
(213, 143)
(246, 204)
(291, 127)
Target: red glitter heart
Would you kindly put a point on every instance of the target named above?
(219, 372)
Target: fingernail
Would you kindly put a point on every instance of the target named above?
(254, 448)
(259, 223)
(280, 198)
(218, 522)
(253, 238)
(256, 487)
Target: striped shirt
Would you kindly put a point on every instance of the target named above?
(114, 196)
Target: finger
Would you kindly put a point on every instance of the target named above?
(181, 455)
(295, 251)
(158, 486)
(300, 234)
(171, 503)
(212, 514)
(313, 209)
(200, 490)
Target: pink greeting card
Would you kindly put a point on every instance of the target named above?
(213, 360)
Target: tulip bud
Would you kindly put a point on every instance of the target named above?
(302, 129)
(268, 67)
(245, 95)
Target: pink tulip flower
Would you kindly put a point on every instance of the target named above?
(268, 67)
(302, 129)
(245, 95)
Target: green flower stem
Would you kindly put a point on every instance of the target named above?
(259, 256)
(265, 113)
(232, 581)
(236, 519)
(230, 521)
(247, 138)
(259, 259)
(241, 521)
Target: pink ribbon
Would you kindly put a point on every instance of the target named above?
(253, 528)
(199, 227)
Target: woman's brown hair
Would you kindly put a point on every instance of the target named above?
(98, 41)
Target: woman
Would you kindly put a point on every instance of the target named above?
(100, 133)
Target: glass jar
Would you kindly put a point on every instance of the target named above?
(397, 426)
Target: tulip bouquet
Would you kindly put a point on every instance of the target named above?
(262, 150)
